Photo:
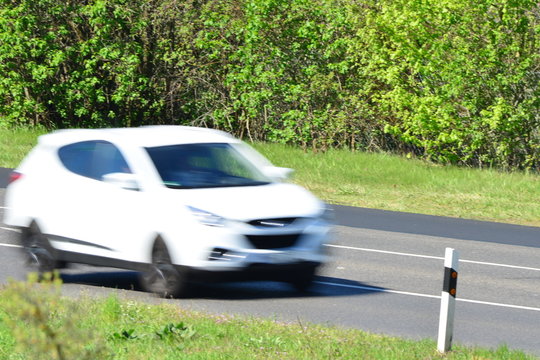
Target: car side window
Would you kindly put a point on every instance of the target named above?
(93, 159)
(108, 159)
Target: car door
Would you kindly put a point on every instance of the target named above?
(98, 219)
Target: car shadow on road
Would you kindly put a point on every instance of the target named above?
(123, 280)
(323, 286)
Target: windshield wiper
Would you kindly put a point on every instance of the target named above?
(212, 186)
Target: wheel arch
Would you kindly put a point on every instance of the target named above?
(159, 238)
(33, 225)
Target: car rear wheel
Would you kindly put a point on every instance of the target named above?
(162, 277)
(39, 254)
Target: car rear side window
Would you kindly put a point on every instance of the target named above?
(93, 159)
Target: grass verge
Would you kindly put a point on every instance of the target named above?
(381, 181)
(37, 323)
(15, 144)
(390, 182)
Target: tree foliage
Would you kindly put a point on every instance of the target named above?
(461, 78)
(449, 80)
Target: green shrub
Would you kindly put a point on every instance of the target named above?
(452, 81)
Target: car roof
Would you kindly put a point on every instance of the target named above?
(145, 136)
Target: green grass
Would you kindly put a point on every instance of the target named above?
(391, 182)
(37, 323)
(382, 181)
(15, 144)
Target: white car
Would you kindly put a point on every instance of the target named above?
(176, 203)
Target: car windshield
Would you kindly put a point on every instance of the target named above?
(204, 165)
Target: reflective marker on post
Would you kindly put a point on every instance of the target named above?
(448, 300)
(450, 281)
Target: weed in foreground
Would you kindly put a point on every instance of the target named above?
(46, 326)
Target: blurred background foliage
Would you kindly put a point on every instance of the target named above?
(452, 81)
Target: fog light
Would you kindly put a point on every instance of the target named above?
(218, 254)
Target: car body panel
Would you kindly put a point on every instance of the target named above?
(94, 221)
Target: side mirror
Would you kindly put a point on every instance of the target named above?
(125, 181)
(278, 173)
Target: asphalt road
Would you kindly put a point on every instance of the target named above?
(385, 277)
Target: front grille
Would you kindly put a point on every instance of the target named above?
(278, 222)
(273, 241)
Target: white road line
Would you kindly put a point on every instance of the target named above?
(10, 229)
(432, 257)
(500, 305)
(500, 265)
(385, 252)
(10, 245)
(3, 207)
(369, 288)
(396, 253)
(373, 289)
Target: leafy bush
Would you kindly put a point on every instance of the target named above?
(460, 79)
(453, 81)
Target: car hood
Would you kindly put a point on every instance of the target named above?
(274, 200)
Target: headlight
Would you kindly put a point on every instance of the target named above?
(207, 218)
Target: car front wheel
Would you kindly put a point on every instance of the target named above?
(162, 277)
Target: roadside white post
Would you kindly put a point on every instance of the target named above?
(448, 300)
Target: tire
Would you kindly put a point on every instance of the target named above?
(162, 277)
(303, 280)
(38, 251)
